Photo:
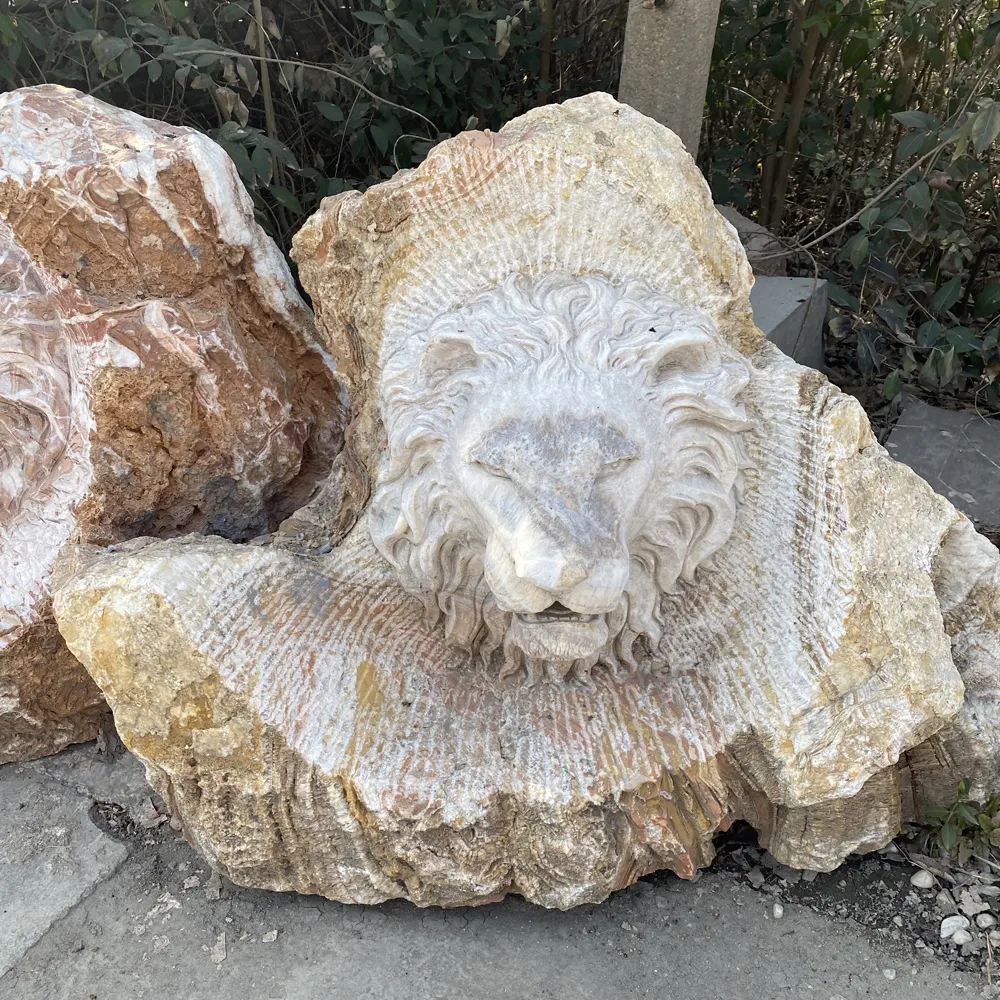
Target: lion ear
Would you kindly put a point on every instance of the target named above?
(680, 352)
(447, 356)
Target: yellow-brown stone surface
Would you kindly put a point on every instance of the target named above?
(320, 723)
(159, 374)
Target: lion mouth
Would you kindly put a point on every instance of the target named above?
(559, 634)
(557, 613)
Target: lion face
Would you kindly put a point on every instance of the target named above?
(561, 454)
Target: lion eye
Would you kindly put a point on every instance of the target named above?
(492, 470)
(619, 465)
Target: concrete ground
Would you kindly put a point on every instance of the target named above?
(93, 906)
(956, 451)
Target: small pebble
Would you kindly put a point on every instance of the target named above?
(945, 901)
(779, 911)
(889, 974)
(970, 903)
(922, 879)
(951, 925)
(269, 936)
(755, 877)
(213, 890)
(192, 882)
(986, 920)
(898, 921)
(961, 936)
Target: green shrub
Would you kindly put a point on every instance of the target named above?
(310, 98)
(865, 133)
(963, 830)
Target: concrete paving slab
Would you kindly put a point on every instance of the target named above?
(792, 314)
(956, 451)
(100, 777)
(153, 931)
(51, 857)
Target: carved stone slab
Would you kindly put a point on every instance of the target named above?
(158, 372)
(608, 571)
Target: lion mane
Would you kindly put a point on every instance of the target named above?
(569, 328)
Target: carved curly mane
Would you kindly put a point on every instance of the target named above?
(566, 328)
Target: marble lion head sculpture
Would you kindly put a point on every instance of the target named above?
(562, 453)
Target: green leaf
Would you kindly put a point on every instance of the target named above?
(948, 837)
(950, 211)
(894, 315)
(142, 8)
(154, 70)
(77, 17)
(263, 165)
(856, 249)
(897, 225)
(935, 814)
(988, 300)
(986, 127)
(841, 297)
(231, 131)
(868, 217)
(330, 111)
(962, 136)
(917, 119)
(107, 48)
(471, 52)
(929, 333)
(947, 295)
(178, 9)
(967, 814)
(239, 156)
(910, 145)
(35, 38)
(248, 74)
(286, 198)
(892, 385)
(948, 367)
(381, 136)
(962, 339)
(370, 16)
(855, 51)
(966, 45)
(920, 195)
(409, 35)
(233, 12)
(782, 63)
(130, 63)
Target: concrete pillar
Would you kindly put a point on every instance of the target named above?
(665, 64)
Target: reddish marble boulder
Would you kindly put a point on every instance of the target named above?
(159, 373)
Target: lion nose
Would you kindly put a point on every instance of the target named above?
(553, 571)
